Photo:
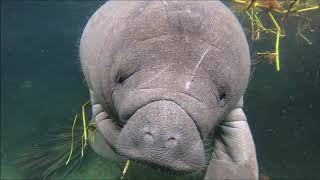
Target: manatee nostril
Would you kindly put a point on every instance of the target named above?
(148, 137)
(172, 140)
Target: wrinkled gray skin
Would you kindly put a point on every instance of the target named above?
(162, 76)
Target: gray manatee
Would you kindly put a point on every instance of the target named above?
(163, 75)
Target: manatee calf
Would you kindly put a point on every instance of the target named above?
(163, 75)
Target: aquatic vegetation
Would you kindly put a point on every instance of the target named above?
(72, 134)
(84, 138)
(125, 169)
(260, 12)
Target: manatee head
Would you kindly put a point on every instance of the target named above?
(165, 74)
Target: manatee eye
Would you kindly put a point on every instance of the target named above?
(222, 96)
(124, 74)
(222, 99)
(120, 79)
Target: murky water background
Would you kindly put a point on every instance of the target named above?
(42, 87)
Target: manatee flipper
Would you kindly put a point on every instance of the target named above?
(233, 155)
(98, 144)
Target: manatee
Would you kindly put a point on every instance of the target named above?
(163, 76)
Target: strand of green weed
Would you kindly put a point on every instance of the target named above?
(305, 38)
(82, 146)
(84, 122)
(125, 169)
(94, 132)
(308, 9)
(259, 24)
(72, 130)
(277, 41)
(94, 135)
(252, 24)
(84, 136)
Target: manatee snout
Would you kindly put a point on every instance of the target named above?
(163, 134)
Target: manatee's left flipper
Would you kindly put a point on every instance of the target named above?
(98, 143)
(233, 155)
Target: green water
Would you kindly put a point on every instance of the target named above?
(42, 87)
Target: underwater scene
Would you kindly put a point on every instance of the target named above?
(49, 90)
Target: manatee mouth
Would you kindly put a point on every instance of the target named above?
(162, 135)
(163, 169)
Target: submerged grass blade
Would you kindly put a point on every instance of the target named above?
(125, 169)
(72, 130)
(84, 122)
(277, 41)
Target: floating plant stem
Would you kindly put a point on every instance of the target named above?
(308, 9)
(252, 24)
(84, 122)
(280, 7)
(94, 135)
(72, 130)
(305, 38)
(125, 169)
(259, 23)
(251, 3)
(277, 41)
(289, 10)
(93, 129)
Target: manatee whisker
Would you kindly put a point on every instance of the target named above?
(47, 159)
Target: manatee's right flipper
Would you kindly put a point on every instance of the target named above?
(233, 155)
